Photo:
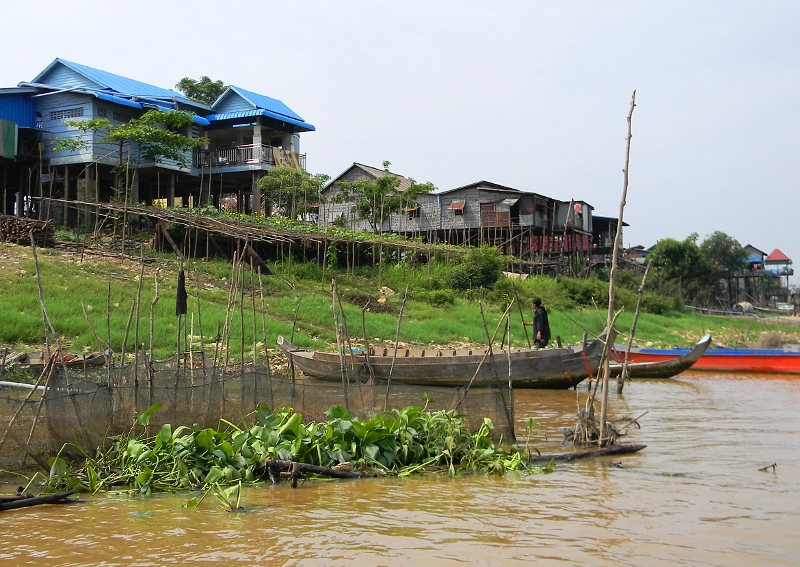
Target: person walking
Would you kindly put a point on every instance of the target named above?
(541, 326)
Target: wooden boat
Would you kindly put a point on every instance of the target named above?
(556, 368)
(39, 360)
(658, 369)
(768, 361)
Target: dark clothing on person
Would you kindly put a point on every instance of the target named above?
(541, 324)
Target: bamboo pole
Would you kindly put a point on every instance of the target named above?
(125, 340)
(296, 313)
(339, 343)
(108, 334)
(613, 275)
(152, 343)
(266, 349)
(366, 342)
(521, 315)
(136, 328)
(485, 356)
(394, 355)
(623, 377)
(256, 393)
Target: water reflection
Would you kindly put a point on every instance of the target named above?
(695, 496)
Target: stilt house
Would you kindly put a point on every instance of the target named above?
(247, 133)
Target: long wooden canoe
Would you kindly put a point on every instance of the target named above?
(661, 368)
(554, 368)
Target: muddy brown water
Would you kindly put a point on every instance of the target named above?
(694, 496)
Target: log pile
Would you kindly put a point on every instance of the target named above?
(16, 230)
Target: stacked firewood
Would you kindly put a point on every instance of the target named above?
(16, 230)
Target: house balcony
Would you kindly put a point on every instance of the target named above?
(247, 155)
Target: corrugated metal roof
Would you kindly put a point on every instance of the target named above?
(117, 100)
(261, 101)
(405, 183)
(304, 126)
(117, 83)
(484, 186)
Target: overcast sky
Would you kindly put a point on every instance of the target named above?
(532, 95)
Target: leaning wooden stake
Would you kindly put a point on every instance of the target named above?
(485, 356)
(613, 274)
(136, 329)
(623, 377)
(521, 315)
(152, 343)
(339, 342)
(394, 356)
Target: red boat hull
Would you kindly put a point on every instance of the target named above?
(731, 361)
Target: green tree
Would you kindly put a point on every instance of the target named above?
(155, 135)
(683, 262)
(291, 189)
(375, 200)
(480, 267)
(205, 90)
(724, 252)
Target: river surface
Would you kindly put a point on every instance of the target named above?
(694, 496)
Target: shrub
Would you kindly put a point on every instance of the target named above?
(585, 292)
(479, 268)
(436, 297)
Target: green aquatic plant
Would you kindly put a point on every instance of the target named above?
(398, 442)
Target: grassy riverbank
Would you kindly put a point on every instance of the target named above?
(108, 287)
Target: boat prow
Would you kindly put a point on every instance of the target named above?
(663, 368)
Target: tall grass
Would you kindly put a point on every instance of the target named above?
(67, 282)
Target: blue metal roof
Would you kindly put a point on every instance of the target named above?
(304, 126)
(263, 102)
(116, 83)
(116, 100)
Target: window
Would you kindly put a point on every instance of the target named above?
(458, 207)
(102, 112)
(121, 117)
(413, 212)
(67, 113)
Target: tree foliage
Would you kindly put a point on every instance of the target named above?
(724, 252)
(205, 90)
(155, 134)
(683, 261)
(375, 200)
(291, 190)
(479, 268)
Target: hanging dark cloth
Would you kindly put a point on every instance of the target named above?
(180, 300)
(256, 263)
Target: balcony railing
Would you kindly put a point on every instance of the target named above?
(248, 154)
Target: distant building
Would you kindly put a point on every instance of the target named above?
(524, 224)
(755, 257)
(779, 263)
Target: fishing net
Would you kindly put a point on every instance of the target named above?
(82, 407)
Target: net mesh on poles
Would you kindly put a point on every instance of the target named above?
(83, 407)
